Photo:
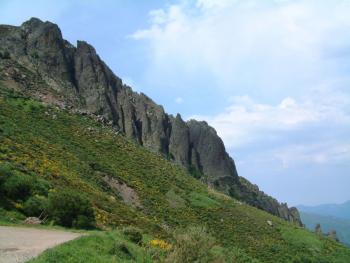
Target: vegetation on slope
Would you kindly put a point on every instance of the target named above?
(70, 152)
(192, 245)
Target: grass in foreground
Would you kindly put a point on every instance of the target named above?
(99, 248)
(192, 245)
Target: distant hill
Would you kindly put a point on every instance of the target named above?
(333, 210)
(330, 216)
(342, 226)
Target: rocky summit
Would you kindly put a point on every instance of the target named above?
(37, 61)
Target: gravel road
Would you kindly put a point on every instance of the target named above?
(19, 244)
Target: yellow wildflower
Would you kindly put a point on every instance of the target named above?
(160, 243)
(18, 205)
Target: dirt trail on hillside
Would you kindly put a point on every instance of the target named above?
(19, 244)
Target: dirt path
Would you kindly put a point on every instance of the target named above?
(19, 244)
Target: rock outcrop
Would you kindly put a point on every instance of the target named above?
(318, 230)
(333, 235)
(76, 77)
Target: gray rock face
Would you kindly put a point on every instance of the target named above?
(211, 156)
(81, 79)
(333, 235)
(44, 43)
(92, 79)
(318, 230)
(252, 195)
(179, 145)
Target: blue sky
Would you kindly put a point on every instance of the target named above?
(273, 77)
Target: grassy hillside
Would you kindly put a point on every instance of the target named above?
(328, 223)
(52, 150)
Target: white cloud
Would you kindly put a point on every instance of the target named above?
(212, 4)
(251, 45)
(285, 64)
(336, 151)
(287, 54)
(179, 100)
(247, 121)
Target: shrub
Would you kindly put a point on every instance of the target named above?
(11, 216)
(71, 209)
(195, 172)
(191, 245)
(18, 186)
(122, 250)
(35, 205)
(162, 244)
(5, 54)
(34, 55)
(5, 172)
(133, 234)
(41, 187)
(195, 244)
(83, 221)
(219, 254)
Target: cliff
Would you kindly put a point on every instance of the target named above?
(77, 79)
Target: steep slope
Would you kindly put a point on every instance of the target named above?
(70, 151)
(75, 77)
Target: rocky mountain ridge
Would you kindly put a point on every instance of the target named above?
(36, 60)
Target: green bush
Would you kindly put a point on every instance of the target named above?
(122, 250)
(83, 221)
(195, 244)
(133, 234)
(195, 172)
(5, 172)
(11, 216)
(35, 205)
(41, 187)
(5, 54)
(71, 209)
(233, 254)
(34, 55)
(191, 245)
(18, 186)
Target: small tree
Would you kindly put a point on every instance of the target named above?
(18, 186)
(5, 54)
(5, 172)
(71, 209)
(35, 206)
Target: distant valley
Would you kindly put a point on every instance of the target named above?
(330, 217)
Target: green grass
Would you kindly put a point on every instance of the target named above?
(202, 200)
(98, 248)
(75, 152)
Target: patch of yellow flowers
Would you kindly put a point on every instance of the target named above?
(160, 243)
(101, 217)
(18, 206)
